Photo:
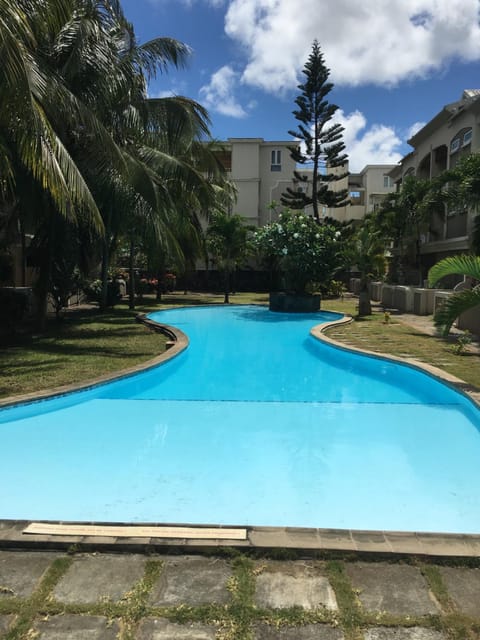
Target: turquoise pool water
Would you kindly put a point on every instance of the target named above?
(258, 423)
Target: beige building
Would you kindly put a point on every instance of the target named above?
(366, 191)
(262, 171)
(453, 133)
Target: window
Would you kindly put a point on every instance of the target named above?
(455, 145)
(355, 195)
(387, 183)
(467, 138)
(276, 160)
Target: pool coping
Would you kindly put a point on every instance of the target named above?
(466, 389)
(305, 540)
(178, 342)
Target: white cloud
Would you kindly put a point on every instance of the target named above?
(219, 94)
(169, 93)
(189, 3)
(377, 144)
(415, 128)
(368, 42)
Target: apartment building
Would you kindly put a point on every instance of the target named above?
(366, 191)
(262, 171)
(453, 133)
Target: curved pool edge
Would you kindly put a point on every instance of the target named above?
(305, 540)
(459, 385)
(308, 541)
(178, 342)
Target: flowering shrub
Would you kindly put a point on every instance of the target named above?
(303, 250)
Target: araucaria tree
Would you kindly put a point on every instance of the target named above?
(321, 149)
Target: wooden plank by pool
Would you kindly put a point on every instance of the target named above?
(194, 533)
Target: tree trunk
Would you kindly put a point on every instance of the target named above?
(364, 303)
(227, 287)
(131, 275)
(158, 297)
(24, 253)
(44, 277)
(105, 260)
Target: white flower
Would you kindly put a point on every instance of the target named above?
(304, 226)
(317, 236)
(279, 227)
(295, 235)
(284, 251)
(337, 234)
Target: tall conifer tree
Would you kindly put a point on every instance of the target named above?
(321, 146)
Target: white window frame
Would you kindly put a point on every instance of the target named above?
(454, 145)
(467, 137)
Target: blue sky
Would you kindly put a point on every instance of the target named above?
(394, 63)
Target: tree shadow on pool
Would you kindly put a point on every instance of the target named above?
(262, 314)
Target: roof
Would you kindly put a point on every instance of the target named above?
(449, 111)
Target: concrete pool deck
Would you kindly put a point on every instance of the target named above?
(51, 596)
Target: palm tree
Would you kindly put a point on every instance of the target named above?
(366, 250)
(460, 187)
(227, 243)
(96, 120)
(458, 303)
(40, 116)
(404, 218)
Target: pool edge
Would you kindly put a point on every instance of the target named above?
(304, 540)
(466, 389)
(308, 541)
(178, 342)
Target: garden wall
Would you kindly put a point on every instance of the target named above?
(416, 300)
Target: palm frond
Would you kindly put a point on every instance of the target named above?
(468, 265)
(454, 306)
(158, 54)
(52, 165)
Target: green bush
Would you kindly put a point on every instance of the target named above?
(303, 250)
(93, 291)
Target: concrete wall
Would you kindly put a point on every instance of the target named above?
(419, 301)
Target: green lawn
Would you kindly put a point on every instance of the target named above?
(88, 344)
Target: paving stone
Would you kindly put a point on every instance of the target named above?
(287, 584)
(308, 632)
(392, 588)
(192, 580)
(157, 629)
(403, 633)
(76, 627)
(463, 585)
(96, 577)
(5, 622)
(21, 571)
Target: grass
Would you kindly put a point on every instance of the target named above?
(85, 345)
(238, 618)
(400, 339)
(88, 344)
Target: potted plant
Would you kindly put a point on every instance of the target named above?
(303, 252)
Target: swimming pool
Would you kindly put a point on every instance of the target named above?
(255, 423)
